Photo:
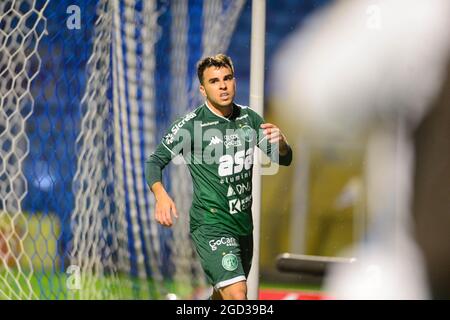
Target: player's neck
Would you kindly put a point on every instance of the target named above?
(225, 111)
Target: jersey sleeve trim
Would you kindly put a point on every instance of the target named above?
(173, 153)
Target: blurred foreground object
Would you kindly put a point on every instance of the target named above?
(371, 71)
(431, 205)
(307, 264)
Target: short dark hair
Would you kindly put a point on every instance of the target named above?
(220, 60)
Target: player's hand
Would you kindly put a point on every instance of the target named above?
(274, 135)
(164, 208)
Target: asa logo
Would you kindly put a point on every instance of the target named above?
(229, 165)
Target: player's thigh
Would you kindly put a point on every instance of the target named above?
(220, 257)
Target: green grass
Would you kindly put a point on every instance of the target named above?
(289, 286)
(54, 286)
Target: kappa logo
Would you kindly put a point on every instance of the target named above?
(215, 140)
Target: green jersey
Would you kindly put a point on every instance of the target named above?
(219, 154)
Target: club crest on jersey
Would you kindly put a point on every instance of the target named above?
(247, 133)
(230, 262)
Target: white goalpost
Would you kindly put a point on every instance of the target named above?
(257, 104)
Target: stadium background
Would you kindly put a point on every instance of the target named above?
(329, 221)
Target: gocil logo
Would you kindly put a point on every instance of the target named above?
(229, 242)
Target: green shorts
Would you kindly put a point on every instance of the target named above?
(225, 258)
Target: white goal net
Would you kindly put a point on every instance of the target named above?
(77, 220)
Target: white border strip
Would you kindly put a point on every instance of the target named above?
(225, 283)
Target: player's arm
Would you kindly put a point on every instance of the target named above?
(164, 206)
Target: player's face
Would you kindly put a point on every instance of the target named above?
(219, 86)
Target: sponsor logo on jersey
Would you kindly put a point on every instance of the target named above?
(242, 176)
(232, 140)
(183, 121)
(169, 138)
(215, 140)
(239, 205)
(229, 242)
(229, 165)
(239, 189)
(246, 202)
(235, 206)
(243, 187)
(209, 124)
(230, 262)
(230, 192)
(242, 117)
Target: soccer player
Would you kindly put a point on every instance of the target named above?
(217, 141)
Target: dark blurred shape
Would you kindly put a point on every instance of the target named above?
(431, 204)
(309, 265)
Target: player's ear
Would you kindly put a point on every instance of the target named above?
(202, 91)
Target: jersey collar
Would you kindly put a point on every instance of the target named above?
(218, 115)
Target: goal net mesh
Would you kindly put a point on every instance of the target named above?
(87, 91)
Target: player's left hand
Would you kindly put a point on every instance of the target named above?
(274, 135)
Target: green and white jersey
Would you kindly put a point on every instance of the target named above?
(219, 154)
